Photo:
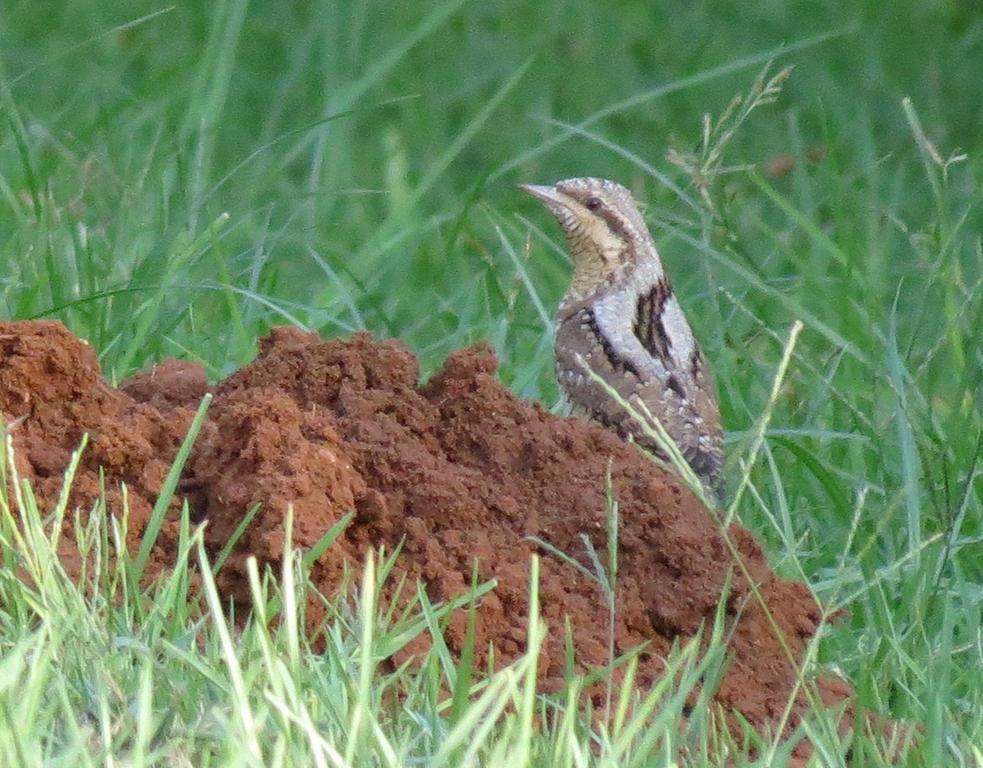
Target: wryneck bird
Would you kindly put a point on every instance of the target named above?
(622, 320)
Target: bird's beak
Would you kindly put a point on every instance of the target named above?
(554, 199)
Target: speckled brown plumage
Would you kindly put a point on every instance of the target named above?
(621, 318)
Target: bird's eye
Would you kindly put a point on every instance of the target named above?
(593, 203)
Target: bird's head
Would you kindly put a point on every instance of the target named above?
(603, 226)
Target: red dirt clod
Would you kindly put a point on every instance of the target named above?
(51, 394)
(460, 470)
(171, 384)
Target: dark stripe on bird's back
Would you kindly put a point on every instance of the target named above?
(648, 325)
(616, 361)
(673, 383)
(694, 363)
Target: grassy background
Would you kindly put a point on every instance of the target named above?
(175, 179)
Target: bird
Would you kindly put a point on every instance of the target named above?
(621, 319)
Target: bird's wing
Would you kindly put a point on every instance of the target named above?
(683, 397)
(647, 357)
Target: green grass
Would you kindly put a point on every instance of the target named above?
(174, 180)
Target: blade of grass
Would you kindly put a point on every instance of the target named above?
(152, 529)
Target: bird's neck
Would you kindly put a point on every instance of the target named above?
(629, 279)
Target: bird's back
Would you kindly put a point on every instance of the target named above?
(622, 336)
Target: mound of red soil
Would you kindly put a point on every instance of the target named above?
(459, 470)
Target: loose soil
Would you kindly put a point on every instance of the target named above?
(458, 470)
